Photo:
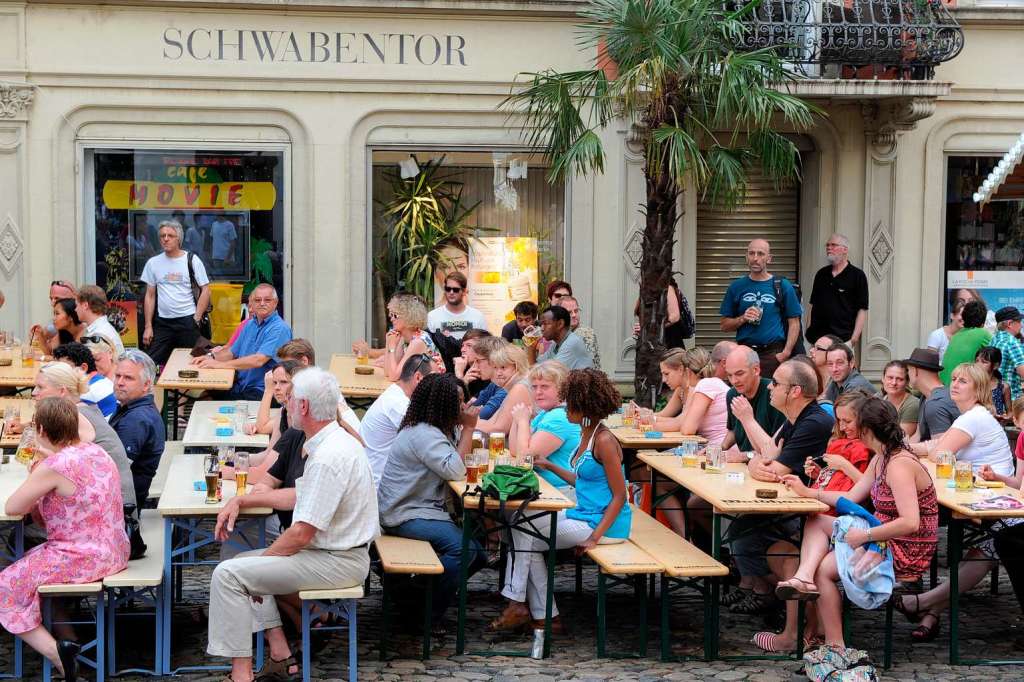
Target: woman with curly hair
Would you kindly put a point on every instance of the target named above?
(601, 515)
(903, 495)
(408, 335)
(425, 455)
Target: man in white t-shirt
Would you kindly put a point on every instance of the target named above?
(380, 423)
(224, 237)
(91, 306)
(172, 314)
(455, 318)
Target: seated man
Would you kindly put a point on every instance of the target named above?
(91, 306)
(254, 351)
(587, 334)
(563, 344)
(137, 421)
(938, 411)
(101, 389)
(845, 376)
(526, 316)
(334, 520)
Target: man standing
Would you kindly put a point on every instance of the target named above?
(839, 296)
(454, 318)
(762, 309)
(845, 376)
(380, 423)
(938, 411)
(224, 238)
(91, 306)
(254, 352)
(327, 545)
(1008, 324)
(172, 313)
(586, 334)
(563, 345)
(526, 316)
(137, 421)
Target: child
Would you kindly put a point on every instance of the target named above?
(991, 358)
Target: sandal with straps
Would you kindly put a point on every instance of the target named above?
(796, 588)
(276, 671)
(914, 616)
(927, 633)
(735, 596)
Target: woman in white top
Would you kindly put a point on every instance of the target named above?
(509, 366)
(939, 339)
(976, 437)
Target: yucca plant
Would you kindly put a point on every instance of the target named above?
(703, 111)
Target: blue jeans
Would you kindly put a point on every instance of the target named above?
(446, 539)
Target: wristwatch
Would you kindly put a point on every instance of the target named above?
(210, 353)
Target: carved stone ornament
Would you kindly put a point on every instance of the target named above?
(11, 247)
(632, 251)
(15, 99)
(886, 119)
(880, 254)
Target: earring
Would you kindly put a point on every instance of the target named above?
(585, 422)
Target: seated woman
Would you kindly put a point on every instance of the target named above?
(675, 377)
(103, 353)
(65, 321)
(408, 335)
(101, 389)
(895, 378)
(844, 461)
(299, 350)
(510, 366)
(548, 436)
(413, 490)
(975, 436)
(990, 358)
(901, 490)
(601, 515)
(76, 491)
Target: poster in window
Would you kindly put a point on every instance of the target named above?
(502, 272)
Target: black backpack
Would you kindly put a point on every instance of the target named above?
(780, 301)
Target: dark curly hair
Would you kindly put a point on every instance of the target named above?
(77, 353)
(590, 393)
(881, 418)
(437, 401)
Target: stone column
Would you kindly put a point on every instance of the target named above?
(15, 100)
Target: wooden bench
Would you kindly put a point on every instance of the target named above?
(405, 556)
(619, 564)
(91, 590)
(684, 565)
(172, 449)
(141, 582)
(342, 603)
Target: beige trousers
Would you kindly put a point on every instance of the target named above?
(235, 614)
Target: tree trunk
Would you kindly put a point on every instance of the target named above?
(655, 273)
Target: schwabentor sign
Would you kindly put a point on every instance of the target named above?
(315, 47)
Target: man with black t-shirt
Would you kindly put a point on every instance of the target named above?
(839, 296)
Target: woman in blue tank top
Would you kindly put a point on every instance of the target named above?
(601, 514)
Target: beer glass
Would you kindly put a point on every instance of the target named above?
(211, 472)
(496, 443)
(241, 472)
(944, 464)
(26, 446)
(714, 454)
(964, 476)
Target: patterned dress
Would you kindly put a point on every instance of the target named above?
(85, 533)
(911, 554)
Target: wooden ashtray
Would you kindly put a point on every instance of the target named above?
(188, 373)
(366, 371)
(5, 362)
(766, 493)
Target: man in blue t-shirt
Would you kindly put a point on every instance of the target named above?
(751, 309)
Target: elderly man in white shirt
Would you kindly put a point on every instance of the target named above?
(327, 546)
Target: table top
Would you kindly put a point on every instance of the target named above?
(17, 375)
(957, 501)
(726, 497)
(550, 499)
(343, 367)
(202, 429)
(630, 437)
(12, 475)
(180, 498)
(28, 408)
(208, 379)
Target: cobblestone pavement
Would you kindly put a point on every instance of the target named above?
(991, 625)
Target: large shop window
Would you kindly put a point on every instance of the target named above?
(984, 244)
(499, 204)
(230, 204)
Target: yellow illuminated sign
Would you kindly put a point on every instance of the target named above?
(252, 196)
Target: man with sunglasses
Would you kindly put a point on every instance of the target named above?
(454, 318)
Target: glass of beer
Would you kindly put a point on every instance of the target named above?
(629, 414)
(964, 476)
(474, 464)
(645, 420)
(241, 472)
(531, 335)
(713, 452)
(362, 355)
(26, 446)
(944, 464)
(211, 472)
(27, 356)
(496, 444)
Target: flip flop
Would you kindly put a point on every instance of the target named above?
(791, 589)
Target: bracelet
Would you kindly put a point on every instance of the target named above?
(870, 539)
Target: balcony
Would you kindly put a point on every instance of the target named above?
(854, 39)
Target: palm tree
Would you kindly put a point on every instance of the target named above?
(703, 110)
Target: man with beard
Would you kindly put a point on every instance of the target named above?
(839, 296)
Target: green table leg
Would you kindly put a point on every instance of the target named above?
(428, 608)
(666, 647)
(549, 603)
(955, 547)
(716, 553)
(460, 636)
(601, 607)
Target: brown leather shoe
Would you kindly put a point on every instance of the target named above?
(515, 617)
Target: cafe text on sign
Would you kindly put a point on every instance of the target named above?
(252, 196)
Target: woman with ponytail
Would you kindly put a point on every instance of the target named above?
(703, 407)
(903, 496)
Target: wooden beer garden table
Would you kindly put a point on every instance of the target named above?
(184, 508)
(176, 389)
(360, 390)
(549, 503)
(633, 439)
(27, 407)
(12, 475)
(968, 528)
(17, 375)
(201, 432)
(730, 500)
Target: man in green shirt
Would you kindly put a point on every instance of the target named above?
(743, 368)
(966, 342)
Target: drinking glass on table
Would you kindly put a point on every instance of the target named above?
(646, 419)
(713, 452)
(211, 474)
(964, 476)
(225, 455)
(241, 472)
(26, 446)
(944, 460)
(12, 419)
(362, 355)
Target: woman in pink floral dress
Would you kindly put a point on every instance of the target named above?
(76, 492)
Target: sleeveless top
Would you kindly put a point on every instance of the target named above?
(593, 495)
(998, 401)
(912, 554)
(424, 336)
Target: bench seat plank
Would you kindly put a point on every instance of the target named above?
(407, 556)
(680, 558)
(354, 592)
(71, 589)
(149, 570)
(623, 558)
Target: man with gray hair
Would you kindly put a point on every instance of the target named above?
(171, 308)
(327, 545)
(718, 355)
(839, 296)
(137, 421)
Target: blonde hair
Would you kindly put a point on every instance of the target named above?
(510, 354)
(410, 310)
(103, 345)
(979, 379)
(696, 359)
(62, 375)
(549, 370)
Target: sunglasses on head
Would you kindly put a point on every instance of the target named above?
(62, 283)
(453, 290)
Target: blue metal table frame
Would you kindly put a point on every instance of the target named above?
(12, 554)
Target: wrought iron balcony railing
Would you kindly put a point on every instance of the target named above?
(855, 38)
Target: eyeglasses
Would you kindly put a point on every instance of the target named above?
(261, 300)
(453, 290)
(775, 382)
(63, 284)
(392, 316)
(558, 295)
(820, 349)
(95, 339)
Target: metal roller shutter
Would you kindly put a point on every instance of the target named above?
(722, 238)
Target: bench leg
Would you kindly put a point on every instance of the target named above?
(353, 642)
(710, 616)
(601, 606)
(48, 624)
(428, 610)
(579, 575)
(305, 640)
(101, 636)
(640, 589)
(994, 585)
(112, 636)
(666, 646)
(887, 650)
(385, 616)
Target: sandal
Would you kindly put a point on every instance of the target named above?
(735, 596)
(796, 588)
(914, 616)
(926, 633)
(510, 620)
(771, 642)
(275, 671)
(754, 603)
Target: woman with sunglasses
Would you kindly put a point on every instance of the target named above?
(102, 353)
(408, 336)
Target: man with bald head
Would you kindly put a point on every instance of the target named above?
(750, 395)
(763, 309)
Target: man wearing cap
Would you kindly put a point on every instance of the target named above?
(938, 411)
(1008, 324)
